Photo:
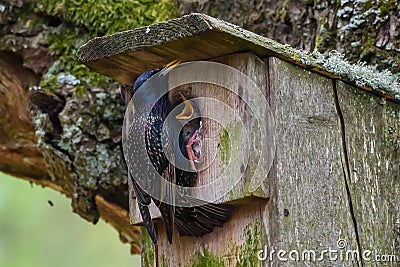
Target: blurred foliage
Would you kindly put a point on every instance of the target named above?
(35, 233)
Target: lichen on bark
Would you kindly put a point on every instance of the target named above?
(361, 30)
(86, 159)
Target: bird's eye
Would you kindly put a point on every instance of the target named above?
(187, 111)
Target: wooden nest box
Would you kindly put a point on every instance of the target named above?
(330, 172)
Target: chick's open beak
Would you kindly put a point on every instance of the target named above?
(187, 111)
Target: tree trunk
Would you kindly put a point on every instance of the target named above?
(362, 30)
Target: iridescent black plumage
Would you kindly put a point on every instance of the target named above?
(150, 126)
(195, 221)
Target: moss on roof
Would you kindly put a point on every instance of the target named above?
(190, 35)
(361, 74)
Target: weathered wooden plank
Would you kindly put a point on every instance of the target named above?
(237, 140)
(244, 234)
(192, 37)
(372, 129)
(232, 142)
(189, 38)
(308, 206)
(235, 244)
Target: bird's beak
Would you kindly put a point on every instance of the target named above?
(172, 64)
(187, 111)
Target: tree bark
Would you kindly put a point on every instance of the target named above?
(362, 30)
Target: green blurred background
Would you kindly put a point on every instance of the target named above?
(34, 233)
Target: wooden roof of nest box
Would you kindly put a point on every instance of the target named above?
(125, 55)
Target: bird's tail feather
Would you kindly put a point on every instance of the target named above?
(148, 223)
(201, 220)
(143, 200)
(141, 196)
(167, 213)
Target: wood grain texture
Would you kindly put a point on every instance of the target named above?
(372, 128)
(125, 55)
(19, 155)
(235, 244)
(244, 234)
(231, 141)
(308, 208)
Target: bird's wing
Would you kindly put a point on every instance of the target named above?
(143, 199)
(202, 218)
(157, 145)
(132, 138)
(167, 200)
(166, 203)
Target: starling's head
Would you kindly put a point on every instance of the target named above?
(144, 77)
(139, 81)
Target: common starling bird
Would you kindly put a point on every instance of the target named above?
(201, 217)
